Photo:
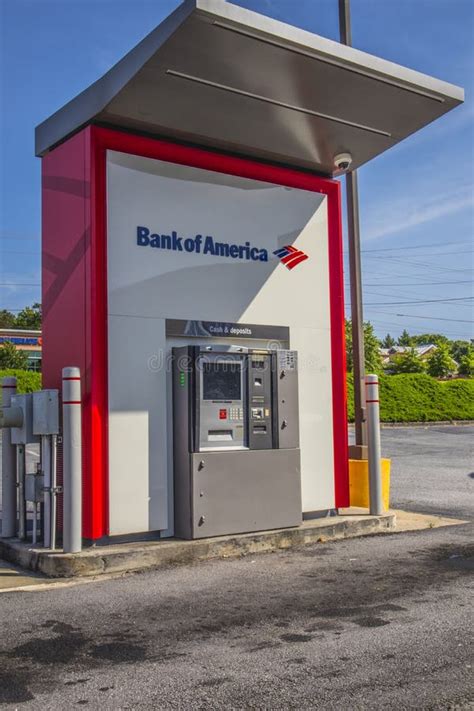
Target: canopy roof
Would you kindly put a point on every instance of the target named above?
(218, 75)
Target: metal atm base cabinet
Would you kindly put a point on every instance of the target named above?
(238, 492)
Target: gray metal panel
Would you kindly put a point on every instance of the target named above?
(181, 444)
(219, 75)
(46, 412)
(286, 382)
(237, 492)
(260, 416)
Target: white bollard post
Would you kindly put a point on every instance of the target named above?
(72, 460)
(373, 444)
(9, 490)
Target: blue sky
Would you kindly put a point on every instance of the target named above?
(417, 204)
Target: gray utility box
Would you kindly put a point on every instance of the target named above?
(236, 440)
(46, 412)
(24, 434)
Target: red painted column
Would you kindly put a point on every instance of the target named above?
(72, 278)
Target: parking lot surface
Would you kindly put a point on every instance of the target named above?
(375, 622)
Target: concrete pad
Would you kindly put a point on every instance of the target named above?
(116, 559)
(12, 577)
(410, 520)
(145, 555)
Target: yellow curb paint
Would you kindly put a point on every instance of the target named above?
(359, 482)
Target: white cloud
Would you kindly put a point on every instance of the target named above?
(416, 209)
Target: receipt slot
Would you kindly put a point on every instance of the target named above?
(236, 440)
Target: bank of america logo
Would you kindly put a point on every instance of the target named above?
(290, 256)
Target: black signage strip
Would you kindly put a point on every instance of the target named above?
(224, 329)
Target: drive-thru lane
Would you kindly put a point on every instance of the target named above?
(364, 623)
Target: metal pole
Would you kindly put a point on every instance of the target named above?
(355, 271)
(35, 523)
(21, 473)
(54, 459)
(72, 460)
(373, 438)
(46, 468)
(9, 495)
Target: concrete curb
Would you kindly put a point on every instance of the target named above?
(440, 423)
(141, 556)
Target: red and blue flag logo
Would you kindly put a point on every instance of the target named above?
(290, 256)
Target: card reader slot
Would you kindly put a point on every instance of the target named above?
(259, 429)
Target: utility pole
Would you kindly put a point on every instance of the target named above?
(359, 451)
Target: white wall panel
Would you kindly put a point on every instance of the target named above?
(146, 286)
(138, 480)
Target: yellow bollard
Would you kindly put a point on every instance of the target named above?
(359, 483)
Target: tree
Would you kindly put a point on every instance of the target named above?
(7, 319)
(408, 362)
(425, 339)
(29, 318)
(10, 357)
(388, 341)
(466, 363)
(373, 360)
(405, 339)
(459, 349)
(440, 364)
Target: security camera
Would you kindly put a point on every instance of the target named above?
(343, 161)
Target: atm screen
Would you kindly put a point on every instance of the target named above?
(221, 381)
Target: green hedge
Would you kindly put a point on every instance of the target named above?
(27, 381)
(416, 397)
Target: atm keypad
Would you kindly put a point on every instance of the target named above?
(236, 413)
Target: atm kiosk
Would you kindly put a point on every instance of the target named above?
(236, 440)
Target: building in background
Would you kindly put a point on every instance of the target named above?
(390, 354)
(26, 340)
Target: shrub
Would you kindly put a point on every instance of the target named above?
(416, 397)
(27, 381)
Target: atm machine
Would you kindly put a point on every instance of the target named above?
(236, 440)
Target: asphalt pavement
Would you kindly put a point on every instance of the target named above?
(432, 468)
(384, 621)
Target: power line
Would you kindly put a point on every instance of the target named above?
(434, 254)
(416, 332)
(433, 318)
(405, 263)
(414, 246)
(14, 283)
(13, 251)
(421, 301)
(422, 283)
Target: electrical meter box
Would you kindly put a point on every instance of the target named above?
(236, 440)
